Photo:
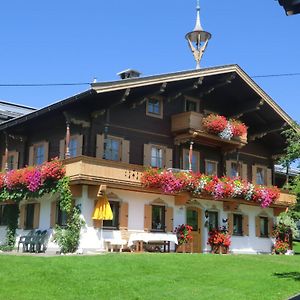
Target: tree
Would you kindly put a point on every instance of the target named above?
(292, 157)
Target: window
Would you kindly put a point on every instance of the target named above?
(158, 218)
(156, 157)
(192, 218)
(73, 146)
(213, 220)
(154, 108)
(3, 215)
(264, 226)
(114, 223)
(195, 160)
(237, 224)
(113, 149)
(211, 167)
(235, 169)
(191, 105)
(29, 216)
(260, 175)
(39, 154)
(10, 162)
(61, 216)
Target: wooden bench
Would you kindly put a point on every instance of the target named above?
(115, 242)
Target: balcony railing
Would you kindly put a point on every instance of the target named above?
(91, 170)
(286, 199)
(189, 124)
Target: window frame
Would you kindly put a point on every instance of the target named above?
(163, 218)
(163, 156)
(74, 138)
(3, 218)
(26, 215)
(216, 166)
(185, 165)
(161, 109)
(120, 142)
(35, 148)
(216, 213)
(59, 215)
(266, 226)
(264, 169)
(239, 166)
(186, 100)
(115, 222)
(240, 230)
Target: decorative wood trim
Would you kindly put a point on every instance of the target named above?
(230, 205)
(278, 210)
(182, 199)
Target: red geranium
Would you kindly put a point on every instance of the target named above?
(238, 128)
(184, 233)
(214, 123)
(52, 170)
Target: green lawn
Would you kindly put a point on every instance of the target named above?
(149, 276)
(296, 247)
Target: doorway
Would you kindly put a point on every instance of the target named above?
(193, 218)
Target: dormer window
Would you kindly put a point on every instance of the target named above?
(154, 108)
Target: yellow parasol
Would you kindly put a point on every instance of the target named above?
(102, 210)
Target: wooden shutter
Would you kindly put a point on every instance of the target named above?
(53, 214)
(230, 224)
(254, 174)
(228, 168)
(31, 156)
(79, 145)
(269, 177)
(96, 223)
(62, 149)
(16, 159)
(3, 163)
(22, 216)
(245, 225)
(244, 172)
(46, 151)
(100, 145)
(125, 151)
(36, 216)
(271, 225)
(147, 154)
(169, 219)
(257, 226)
(147, 217)
(123, 216)
(169, 158)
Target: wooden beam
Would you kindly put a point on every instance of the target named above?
(126, 94)
(243, 109)
(266, 130)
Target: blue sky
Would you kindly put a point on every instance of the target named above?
(75, 41)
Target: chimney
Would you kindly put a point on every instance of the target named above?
(129, 73)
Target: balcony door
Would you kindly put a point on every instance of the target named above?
(193, 218)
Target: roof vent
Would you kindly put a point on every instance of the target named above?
(129, 73)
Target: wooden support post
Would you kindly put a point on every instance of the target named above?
(67, 153)
(191, 156)
(6, 153)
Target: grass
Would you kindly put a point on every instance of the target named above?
(296, 247)
(149, 276)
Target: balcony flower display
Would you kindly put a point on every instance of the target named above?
(174, 182)
(219, 240)
(31, 181)
(225, 129)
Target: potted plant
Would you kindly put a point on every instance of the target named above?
(219, 240)
(184, 237)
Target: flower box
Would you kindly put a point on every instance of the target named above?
(185, 248)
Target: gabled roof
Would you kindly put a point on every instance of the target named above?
(146, 83)
(10, 110)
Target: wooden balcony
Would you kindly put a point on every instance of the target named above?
(188, 125)
(95, 171)
(286, 199)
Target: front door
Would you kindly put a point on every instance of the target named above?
(193, 218)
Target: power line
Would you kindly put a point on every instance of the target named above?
(41, 84)
(276, 75)
(89, 83)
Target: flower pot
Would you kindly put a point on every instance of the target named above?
(219, 249)
(184, 248)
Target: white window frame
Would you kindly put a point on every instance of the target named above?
(207, 161)
(187, 99)
(185, 165)
(163, 157)
(120, 141)
(152, 114)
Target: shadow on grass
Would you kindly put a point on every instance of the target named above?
(289, 275)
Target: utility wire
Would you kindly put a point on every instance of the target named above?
(89, 83)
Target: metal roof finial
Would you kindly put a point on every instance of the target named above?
(198, 39)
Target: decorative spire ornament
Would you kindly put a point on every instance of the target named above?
(198, 39)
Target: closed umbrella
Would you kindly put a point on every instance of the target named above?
(102, 211)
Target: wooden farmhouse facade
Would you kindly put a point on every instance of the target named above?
(116, 129)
